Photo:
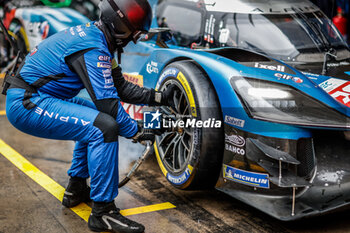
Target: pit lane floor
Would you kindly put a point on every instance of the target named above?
(26, 205)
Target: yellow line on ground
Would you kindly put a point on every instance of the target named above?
(2, 75)
(147, 209)
(2, 112)
(82, 210)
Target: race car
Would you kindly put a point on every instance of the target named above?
(30, 22)
(245, 120)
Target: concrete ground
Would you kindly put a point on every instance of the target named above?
(26, 206)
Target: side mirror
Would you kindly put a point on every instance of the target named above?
(161, 35)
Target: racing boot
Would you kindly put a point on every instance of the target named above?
(106, 217)
(76, 192)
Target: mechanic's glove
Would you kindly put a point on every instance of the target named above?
(145, 134)
(165, 98)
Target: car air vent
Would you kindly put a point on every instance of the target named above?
(306, 156)
(240, 55)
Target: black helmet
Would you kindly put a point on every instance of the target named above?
(126, 19)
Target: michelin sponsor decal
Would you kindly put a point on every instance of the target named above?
(179, 180)
(170, 72)
(254, 179)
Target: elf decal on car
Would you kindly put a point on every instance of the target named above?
(289, 77)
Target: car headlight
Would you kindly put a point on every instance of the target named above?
(280, 103)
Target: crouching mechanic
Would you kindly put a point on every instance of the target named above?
(41, 101)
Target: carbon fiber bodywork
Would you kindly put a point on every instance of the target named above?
(322, 179)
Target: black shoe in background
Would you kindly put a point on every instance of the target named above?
(106, 217)
(76, 192)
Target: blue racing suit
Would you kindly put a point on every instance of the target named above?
(56, 71)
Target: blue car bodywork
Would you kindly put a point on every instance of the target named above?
(259, 175)
(40, 22)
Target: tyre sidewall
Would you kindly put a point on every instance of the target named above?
(185, 74)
